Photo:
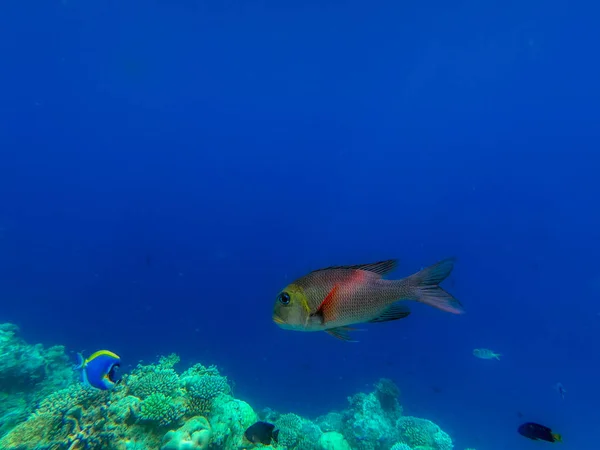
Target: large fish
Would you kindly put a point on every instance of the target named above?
(333, 298)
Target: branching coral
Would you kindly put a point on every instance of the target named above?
(289, 426)
(418, 432)
(161, 409)
(202, 386)
(297, 433)
(148, 380)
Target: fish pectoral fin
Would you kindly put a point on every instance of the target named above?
(324, 311)
(395, 312)
(341, 333)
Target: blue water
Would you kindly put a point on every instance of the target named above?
(166, 167)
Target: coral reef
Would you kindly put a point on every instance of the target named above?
(155, 407)
(28, 373)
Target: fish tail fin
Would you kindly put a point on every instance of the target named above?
(80, 362)
(427, 290)
(557, 437)
(497, 356)
(81, 366)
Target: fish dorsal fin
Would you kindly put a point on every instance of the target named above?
(380, 267)
(341, 333)
(325, 309)
(102, 353)
(394, 312)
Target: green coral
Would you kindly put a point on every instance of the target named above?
(401, 446)
(206, 387)
(230, 418)
(195, 434)
(368, 426)
(417, 432)
(290, 426)
(202, 386)
(161, 409)
(297, 433)
(168, 362)
(28, 373)
(148, 380)
(332, 440)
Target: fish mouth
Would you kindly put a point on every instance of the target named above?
(278, 320)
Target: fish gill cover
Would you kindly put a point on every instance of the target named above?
(168, 167)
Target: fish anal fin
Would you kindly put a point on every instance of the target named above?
(395, 312)
(325, 309)
(341, 333)
(379, 267)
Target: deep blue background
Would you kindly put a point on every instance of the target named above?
(166, 167)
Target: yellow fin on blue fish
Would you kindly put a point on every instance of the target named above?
(100, 370)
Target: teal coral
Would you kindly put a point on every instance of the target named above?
(418, 432)
(332, 440)
(28, 373)
(161, 409)
(297, 433)
(289, 426)
(401, 446)
(230, 418)
(195, 434)
(368, 426)
(203, 385)
(387, 393)
(148, 380)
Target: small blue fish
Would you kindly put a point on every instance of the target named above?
(100, 369)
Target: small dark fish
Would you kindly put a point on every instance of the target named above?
(538, 432)
(261, 432)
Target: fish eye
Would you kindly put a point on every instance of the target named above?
(284, 298)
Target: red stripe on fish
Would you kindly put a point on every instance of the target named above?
(327, 307)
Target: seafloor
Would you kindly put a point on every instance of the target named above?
(43, 405)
